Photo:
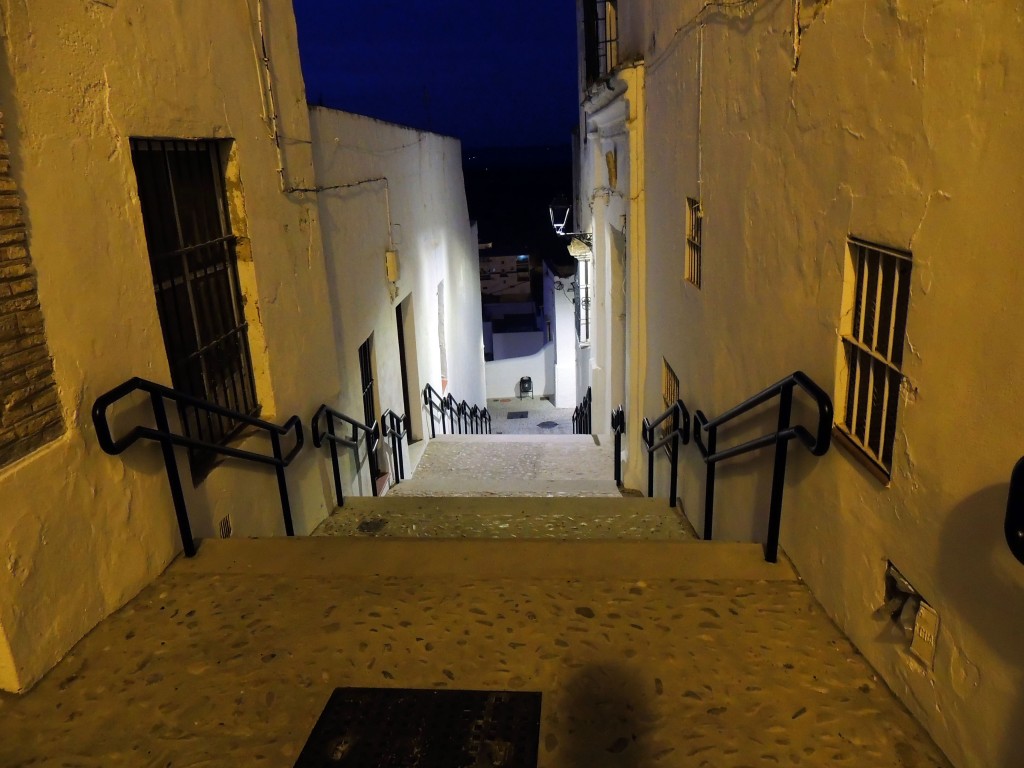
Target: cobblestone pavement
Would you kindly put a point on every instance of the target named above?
(232, 667)
(556, 421)
(508, 518)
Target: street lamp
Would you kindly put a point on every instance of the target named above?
(559, 211)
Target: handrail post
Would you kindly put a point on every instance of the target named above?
(649, 437)
(430, 405)
(282, 485)
(401, 459)
(617, 427)
(334, 459)
(674, 486)
(171, 465)
(396, 451)
(372, 434)
(709, 486)
(771, 546)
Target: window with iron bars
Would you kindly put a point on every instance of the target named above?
(669, 391)
(877, 298)
(195, 276)
(694, 216)
(601, 37)
(583, 302)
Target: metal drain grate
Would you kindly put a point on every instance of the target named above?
(517, 414)
(409, 728)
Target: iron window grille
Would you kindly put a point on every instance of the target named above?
(872, 339)
(582, 303)
(694, 216)
(669, 391)
(192, 255)
(601, 37)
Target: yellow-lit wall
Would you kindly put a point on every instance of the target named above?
(82, 532)
(903, 123)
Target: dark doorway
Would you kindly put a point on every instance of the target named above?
(369, 407)
(406, 402)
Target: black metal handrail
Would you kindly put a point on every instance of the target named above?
(433, 399)
(817, 443)
(394, 428)
(582, 415)
(456, 412)
(371, 431)
(1015, 512)
(158, 393)
(679, 433)
(618, 427)
(463, 417)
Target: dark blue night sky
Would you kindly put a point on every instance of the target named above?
(494, 73)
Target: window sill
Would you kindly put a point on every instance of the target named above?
(853, 449)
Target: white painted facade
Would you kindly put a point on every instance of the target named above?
(561, 314)
(547, 356)
(901, 124)
(612, 207)
(388, 187)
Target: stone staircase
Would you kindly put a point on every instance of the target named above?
(649, 648)
(510, 487)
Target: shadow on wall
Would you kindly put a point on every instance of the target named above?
(610, 722)
(984, 583)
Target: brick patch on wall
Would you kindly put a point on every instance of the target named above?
(30, 413)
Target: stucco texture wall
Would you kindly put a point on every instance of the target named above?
(369, 170)
(81, 532)
(899, 122)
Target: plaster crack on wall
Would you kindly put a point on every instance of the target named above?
(108, 116)
(797, 32)
(924, 214)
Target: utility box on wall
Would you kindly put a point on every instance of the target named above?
(391, 266)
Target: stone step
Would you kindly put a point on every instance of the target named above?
(550, 517)
(345, 557)
(512, 465)
(497, 437)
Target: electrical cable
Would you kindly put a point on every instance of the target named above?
(710, 7)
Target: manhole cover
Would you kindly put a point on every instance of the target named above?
(391, 727)
(372, 526)
(548, 424)
(517, 414)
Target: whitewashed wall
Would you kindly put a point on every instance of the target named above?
(503, 375)
(373, 167)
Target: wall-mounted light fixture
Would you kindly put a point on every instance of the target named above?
(560, 210)
(580, 244)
